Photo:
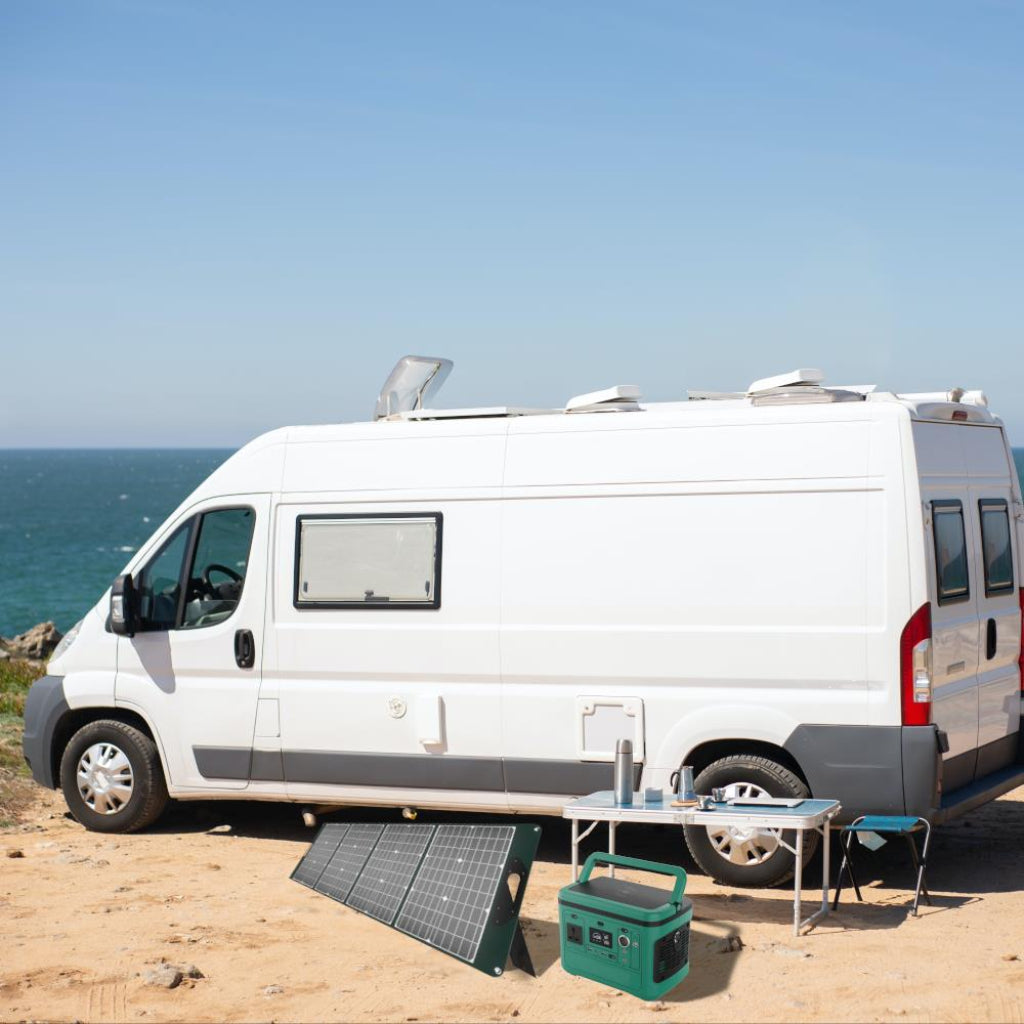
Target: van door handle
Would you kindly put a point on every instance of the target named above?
(245, 648)
(990, 640)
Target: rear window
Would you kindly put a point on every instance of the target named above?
(950, 552)
(995, 544)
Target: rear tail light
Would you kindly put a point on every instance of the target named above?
(1020, 659)
(916, 667)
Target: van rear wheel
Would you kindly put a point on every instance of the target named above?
(112, 778)
(748, 857)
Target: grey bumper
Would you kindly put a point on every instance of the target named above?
(871, 769)
(45, 706)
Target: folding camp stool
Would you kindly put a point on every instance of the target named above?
(886, 824)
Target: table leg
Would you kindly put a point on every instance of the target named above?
(575, 850)
(825, 837)
(612, 826)
(798, 879)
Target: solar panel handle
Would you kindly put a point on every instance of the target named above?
(640, 865)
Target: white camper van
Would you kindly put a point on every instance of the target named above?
(797, 589)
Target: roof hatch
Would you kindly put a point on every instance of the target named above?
(413, 380)
(795, 378)
(621, 398)
(801, 387)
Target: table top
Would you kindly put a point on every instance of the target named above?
(602, 807)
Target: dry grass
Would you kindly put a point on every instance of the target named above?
(16, 787)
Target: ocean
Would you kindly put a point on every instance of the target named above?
(70, 520)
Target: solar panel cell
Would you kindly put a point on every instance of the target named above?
(307, 872)
(344, 867)
(452, 894)
(385, 879)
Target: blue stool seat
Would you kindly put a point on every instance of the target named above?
(884, 823)
(887, 824)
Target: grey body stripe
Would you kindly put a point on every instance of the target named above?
(420, 771)
(576, 777)
(267, 766)
(408, 771)
(223, 762)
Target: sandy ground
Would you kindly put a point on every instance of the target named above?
(83, 917)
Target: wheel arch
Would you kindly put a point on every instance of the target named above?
(708, 752)
(73, 720)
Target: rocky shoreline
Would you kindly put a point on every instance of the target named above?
(35, 645)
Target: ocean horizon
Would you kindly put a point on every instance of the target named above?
(71, 518)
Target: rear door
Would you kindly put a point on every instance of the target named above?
(995, 581)
(955, 632)
(950, 550)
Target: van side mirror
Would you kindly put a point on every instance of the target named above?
(124, 606)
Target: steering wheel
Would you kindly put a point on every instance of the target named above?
(216, 567)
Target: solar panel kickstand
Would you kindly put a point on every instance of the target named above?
(507, 906)
(519, 953)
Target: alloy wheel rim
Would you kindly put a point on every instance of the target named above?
(105, 778)
(744, 847)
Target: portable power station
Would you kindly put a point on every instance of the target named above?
(629, 936)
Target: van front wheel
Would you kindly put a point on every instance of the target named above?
(111, 777)
(742, 856)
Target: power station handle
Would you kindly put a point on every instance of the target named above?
(640, 865)
(245, 649)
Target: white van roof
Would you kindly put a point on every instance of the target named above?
(259, 465)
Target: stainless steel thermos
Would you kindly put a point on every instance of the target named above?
(623, 772)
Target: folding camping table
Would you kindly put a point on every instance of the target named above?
(808, 815)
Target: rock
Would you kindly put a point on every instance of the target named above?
(798, 954)
(17, 854)
(36, 643)
(163, 976)
(1006, 956)
(732, 944)
(3, 655)
(191, 971)
(273, 990)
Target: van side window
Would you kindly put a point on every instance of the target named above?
(995, 545)
(215, 546)
(159, 582)
(950, 551)
(392, 560)
(218, 566)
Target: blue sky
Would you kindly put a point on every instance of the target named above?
(220, 218)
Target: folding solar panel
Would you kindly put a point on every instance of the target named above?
(457, 888)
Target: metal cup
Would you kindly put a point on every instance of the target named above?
(718, 795)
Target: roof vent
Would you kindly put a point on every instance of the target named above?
(621, 398)
(413, 380)
(797, 378)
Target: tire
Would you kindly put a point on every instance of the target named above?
(112, 778)
(745, 857)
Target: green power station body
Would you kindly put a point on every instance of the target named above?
(629, 936)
